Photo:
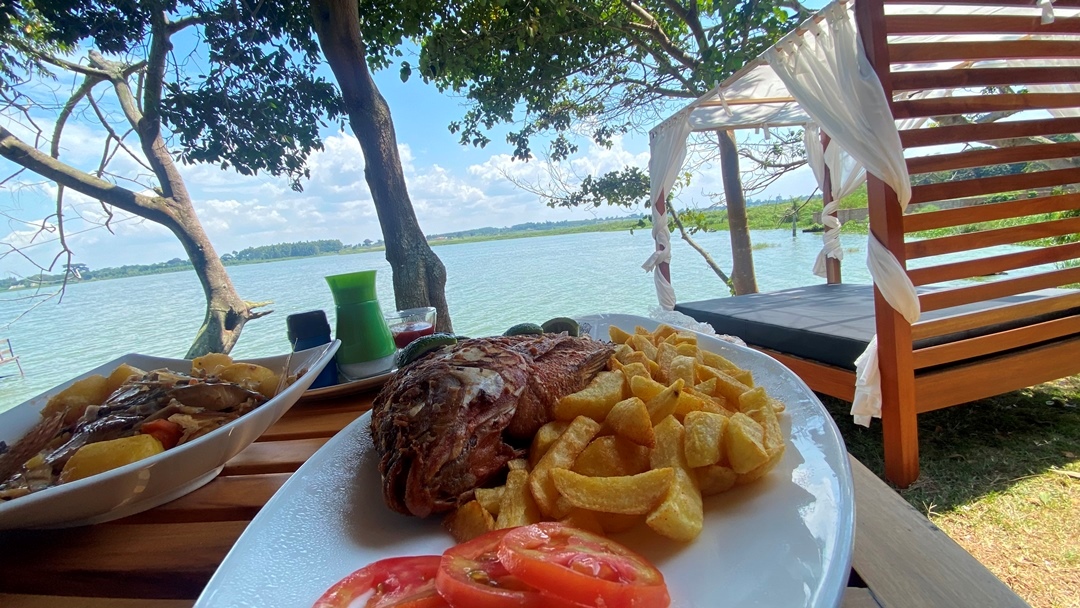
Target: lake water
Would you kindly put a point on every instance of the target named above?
(490, 286)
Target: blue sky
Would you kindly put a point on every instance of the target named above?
(452, 188)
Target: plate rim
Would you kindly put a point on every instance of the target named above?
(342, 389)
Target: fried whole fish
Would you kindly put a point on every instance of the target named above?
(447, 422)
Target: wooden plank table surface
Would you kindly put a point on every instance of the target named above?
(162, 558)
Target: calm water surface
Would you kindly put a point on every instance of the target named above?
(490, 286)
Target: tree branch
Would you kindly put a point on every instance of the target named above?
(690, 18)
(698, 248)
(18, 152)
(652, 28)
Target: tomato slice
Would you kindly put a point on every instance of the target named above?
(582, 567)
(471, 576)
(397, 582)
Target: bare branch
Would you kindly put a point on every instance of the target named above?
(18, 152)
(698, 248)
(112, 132)
(689, 15)
(652, 28)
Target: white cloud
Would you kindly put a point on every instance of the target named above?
(448, 194)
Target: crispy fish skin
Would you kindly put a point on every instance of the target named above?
(443, 424)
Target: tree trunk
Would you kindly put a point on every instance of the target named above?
(419, 276)
(742, 254)
(226, 312)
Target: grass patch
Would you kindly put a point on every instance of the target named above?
(994, 477)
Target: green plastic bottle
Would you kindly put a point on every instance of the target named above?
(367, 348)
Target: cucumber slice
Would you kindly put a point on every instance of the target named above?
(561, 324)
(524, 329)
(422, 346)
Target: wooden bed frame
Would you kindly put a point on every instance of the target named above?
(915, 381)
(1015, 345)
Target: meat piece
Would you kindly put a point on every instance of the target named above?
(443, 425)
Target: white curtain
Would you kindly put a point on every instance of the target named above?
(667, 151)
(830, 76)
(846, 175)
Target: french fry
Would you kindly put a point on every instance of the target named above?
(753, 399)
(682, 368)
(642, 344)
(685, 337)
(662, 331)
(665, 353)
(680, 516)
(595, 400)
(622, 351)
(629, 418)
(708, 386)
(517, 507)
(617, 335)
(689, 401)
(773, 435)
(518, 463)
(639, 357)
(717, 361)
(561, 455)
(469, 521)
(713, 403)
(543, 439)
(583, 519)
(635, 369)
(626, 494)
(704, 438)
(489, 498)
(612, 456)
(663, 405)
(687, 349)
(645, 388)
(715, 479)
(726, 385)
(744, 443)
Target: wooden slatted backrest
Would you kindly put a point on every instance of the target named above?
(1022, 186)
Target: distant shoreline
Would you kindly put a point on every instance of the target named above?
(600, 226)
(760, 216)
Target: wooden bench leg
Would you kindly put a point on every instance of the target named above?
(901, 437)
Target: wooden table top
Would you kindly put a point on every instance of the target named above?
(162, 558)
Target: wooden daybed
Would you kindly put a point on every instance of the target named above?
(996, 334)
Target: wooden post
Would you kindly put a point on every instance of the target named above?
(895, 359)
(832, 265)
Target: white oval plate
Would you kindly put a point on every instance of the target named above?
(348, 388)
(156, 480)
(784, 541)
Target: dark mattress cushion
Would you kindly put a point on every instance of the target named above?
(827, 323)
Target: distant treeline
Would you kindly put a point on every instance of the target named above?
(80, 272)
(520, 228)
(302, 249)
